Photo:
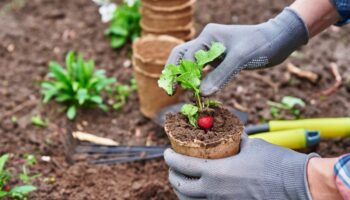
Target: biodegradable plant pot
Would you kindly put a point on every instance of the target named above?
(149, 58)
(185, 27)
(165, 22)
(167, 5)
(183, 35)
(221, 141)
(168, 14)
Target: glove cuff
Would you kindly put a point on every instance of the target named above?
(295, 176)
(306, 181)
(297, 29)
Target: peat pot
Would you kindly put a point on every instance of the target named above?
(150, 54)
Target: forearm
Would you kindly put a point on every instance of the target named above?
(317, 14)
(321, 179)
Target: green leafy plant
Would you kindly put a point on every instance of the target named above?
(38, 121)
(18, 192)
(122, 93)
(188, 75)
(288, 103)
(125, 24)
(77, 85)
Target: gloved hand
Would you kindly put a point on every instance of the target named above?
(247, 46)
(259, 171)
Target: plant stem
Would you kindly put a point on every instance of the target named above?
(199, 102)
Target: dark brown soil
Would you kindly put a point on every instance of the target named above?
(34, 32)
(224, 126)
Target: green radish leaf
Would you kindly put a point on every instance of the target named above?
(82, 95)
(97, 99)
(189, 81)
(212, 103)
(118, 105)
(188, 66)
(62, 97)
(48, 94)
(133, 84)
(117, 41)
(3, 194)
(24, 189)
(191, 112)
(204, 57)
(58, 72)
(38, 121)
(70, 58)
(117, 30)
(3, 160)
(291, 101)
(103, 107)
(168, 78)
(71, 112)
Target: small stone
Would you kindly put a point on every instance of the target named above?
(85, 123)
(56, 50)
(127, 63)
(11, 48)
(80, 127)
(136, 186)
(45, 158)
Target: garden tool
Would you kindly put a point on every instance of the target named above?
(293, 139)
(116, 154)
(328, 127)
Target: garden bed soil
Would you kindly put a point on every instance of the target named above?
(34, 32)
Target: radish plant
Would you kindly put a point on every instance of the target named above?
(188, 75)
(77, 85)
(122, 93)
(16, 192)
(288, 103)
(125, 24)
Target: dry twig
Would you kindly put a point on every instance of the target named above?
(19, 108)
(338, 80)
(311, 76)
(265, 80)
(82, 136)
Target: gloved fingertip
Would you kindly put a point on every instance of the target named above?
(208, 89)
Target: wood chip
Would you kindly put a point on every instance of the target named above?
(338, 80)
(311, 76)
(82, 136)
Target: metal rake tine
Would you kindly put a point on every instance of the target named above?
(118, 149)
(125, 160)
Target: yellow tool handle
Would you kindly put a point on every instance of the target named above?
(328, 127)
(293, 139)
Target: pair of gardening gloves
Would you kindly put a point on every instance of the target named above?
(260, 170)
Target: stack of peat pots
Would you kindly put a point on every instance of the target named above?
(150, 54)
(168, 17)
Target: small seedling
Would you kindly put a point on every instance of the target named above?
(79, 85)
(188, 75)
(125, 24)
(288, 103)
(122, 93)
(30, 159)
(16, 192)
(14, 119)
(38, 121)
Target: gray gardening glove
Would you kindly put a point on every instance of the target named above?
(248, 46)
(260, 171)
